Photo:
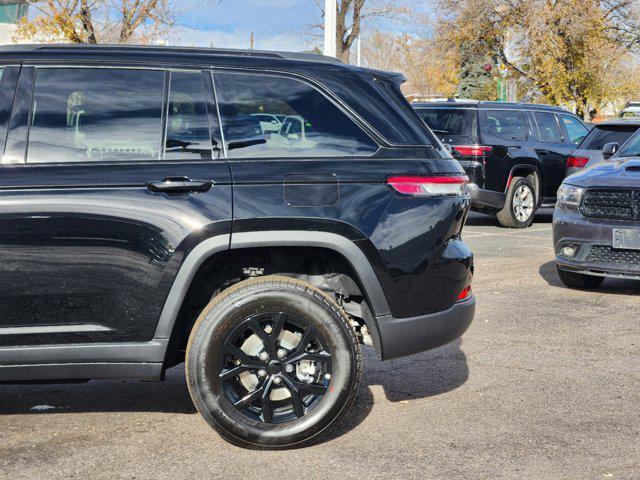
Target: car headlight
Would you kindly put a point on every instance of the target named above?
(569, 195)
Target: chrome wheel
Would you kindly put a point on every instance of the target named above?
(523, 203)
(274, 368)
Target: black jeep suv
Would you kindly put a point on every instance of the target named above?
(514, 154)
(148, 219)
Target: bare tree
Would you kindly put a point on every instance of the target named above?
(98, 21)
(351, 14)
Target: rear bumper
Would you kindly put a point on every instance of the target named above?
(406, 336)
(481, 198)
(572, 228)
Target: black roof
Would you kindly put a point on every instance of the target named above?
(37, 50)
(487, 104)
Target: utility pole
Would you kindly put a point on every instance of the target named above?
(330, 21)
(251, 41)
(359, 51)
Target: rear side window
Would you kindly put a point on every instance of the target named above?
(8, 80)
(548, 127)
(312, 125)
(575, 129)
(454, 122)
(603, 134)
(505, 124)
(88, 114)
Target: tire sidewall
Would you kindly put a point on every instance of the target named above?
(512, 193)
(220, 320)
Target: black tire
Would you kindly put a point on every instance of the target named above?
(510, 216)
(287, 304)
(579, 280)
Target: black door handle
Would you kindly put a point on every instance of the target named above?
(544, 152)
(180, 185)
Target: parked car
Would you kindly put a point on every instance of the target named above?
(589, 152)
(596, 223)
(192, 237)
(631, 109)
(514, 154)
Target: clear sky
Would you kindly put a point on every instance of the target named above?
(277, 24)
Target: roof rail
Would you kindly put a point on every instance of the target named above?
(89, 48)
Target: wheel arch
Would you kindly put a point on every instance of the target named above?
(213, 251)
(526, 170)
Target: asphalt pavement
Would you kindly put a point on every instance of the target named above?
(544, 385)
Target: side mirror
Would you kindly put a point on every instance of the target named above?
(609, 150)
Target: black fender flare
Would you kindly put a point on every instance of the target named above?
(373, 291)
(530, 168)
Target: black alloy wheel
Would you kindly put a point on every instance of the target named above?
(272, 362)
(274, 368)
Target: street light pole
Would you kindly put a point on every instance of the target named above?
(330, 20)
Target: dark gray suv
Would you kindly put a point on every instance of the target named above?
(596, 222)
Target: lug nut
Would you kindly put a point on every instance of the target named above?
(277, 380)
(264, 356)
(262, 373)
(288, 368)
(281, 353)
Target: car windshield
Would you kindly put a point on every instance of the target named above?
(603, 134)
(448, 121)
(631, 148)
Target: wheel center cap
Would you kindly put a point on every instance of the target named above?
(274, 367)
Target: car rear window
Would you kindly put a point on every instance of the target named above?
(603, 134)
(448, 121)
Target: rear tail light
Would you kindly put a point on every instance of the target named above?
(472, 150)
(576, 162)
(464, 294)
(425, 186)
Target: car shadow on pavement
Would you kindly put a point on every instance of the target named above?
(170, 396)
(475, 219)
(616, 286)
(416, 377)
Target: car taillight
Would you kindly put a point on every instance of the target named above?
(429, 185)
(577, 162)
(472, 150)
(464, 294)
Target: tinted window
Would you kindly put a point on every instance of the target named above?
(602, 134)
(8, 80)
(505, 124)
(548, 127)
(87, 114)
(442, 121)
(576, 130)
(313, 126)
(188, 134)
(631, 148)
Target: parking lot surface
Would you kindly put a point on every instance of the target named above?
(544, 385)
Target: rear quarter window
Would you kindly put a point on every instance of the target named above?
(448, 122)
